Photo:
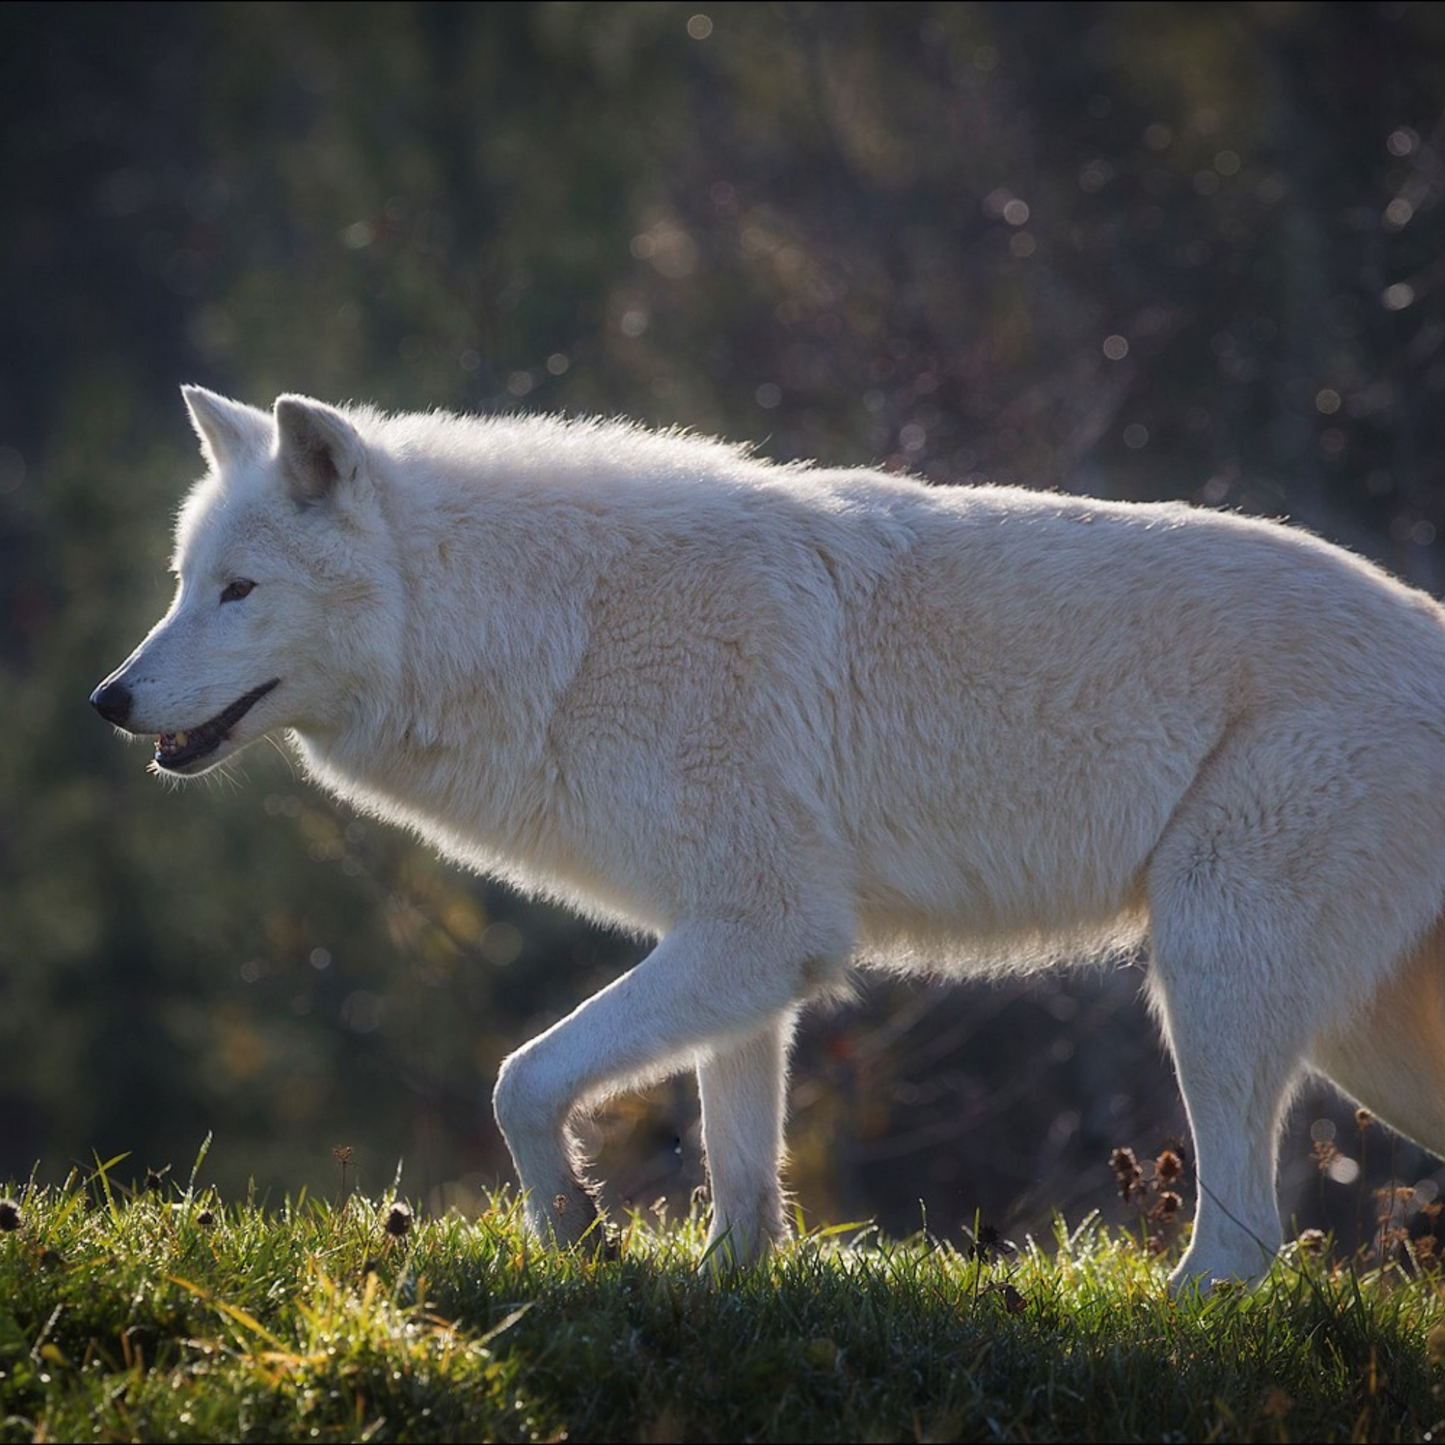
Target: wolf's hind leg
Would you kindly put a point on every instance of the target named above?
(1282, 894)
(1391, 1055)
(1237, 1063)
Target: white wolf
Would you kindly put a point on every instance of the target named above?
(789, 720)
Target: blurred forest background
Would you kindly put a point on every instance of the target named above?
(1144, 251)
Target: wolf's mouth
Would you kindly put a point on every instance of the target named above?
(175, 751)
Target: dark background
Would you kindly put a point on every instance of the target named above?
(1143, 251)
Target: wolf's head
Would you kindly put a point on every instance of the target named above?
(274, 555)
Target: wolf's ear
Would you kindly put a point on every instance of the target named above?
(228, 429)
(318, 449)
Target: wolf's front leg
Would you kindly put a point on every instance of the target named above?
(743, 1087)
(715, 991)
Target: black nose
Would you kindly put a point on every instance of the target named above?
(112, 701)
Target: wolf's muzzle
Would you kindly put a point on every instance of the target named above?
(112, 700)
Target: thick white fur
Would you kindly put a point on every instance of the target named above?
(788, 720)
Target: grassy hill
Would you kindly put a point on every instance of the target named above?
(165, 1313)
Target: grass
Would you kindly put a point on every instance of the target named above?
(167, 1314)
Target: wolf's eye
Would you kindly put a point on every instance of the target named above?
(235, 591)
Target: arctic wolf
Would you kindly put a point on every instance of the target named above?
(790, 721)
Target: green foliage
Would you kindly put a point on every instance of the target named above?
(1171, 250)
(165, 1313)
